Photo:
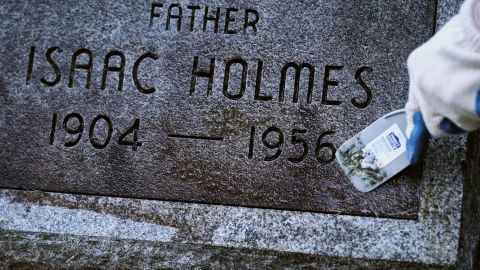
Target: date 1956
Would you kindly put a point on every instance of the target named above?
(274, 139)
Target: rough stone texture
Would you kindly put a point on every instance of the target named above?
(352, 34)
(73, 252)
(469, 246)
(37, 230)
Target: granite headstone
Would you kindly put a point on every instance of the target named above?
(200, 134)
(235, 103)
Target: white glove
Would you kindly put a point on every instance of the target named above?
(445, 82)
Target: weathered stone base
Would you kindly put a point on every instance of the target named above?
(52, 251)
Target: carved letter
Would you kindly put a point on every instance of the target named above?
(214, 18)
(152, 12)
(31, 58)
(358, 78)
(120, 69)
(203, 74)
(258, 84)
(192, 17)
(250, 23)
(141, 88)
(229, 19)
(87, 67)
(327, 82)
(298, 69)
(243, 83)
(174, 16)
(56, 69)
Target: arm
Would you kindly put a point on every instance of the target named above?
(444, 97)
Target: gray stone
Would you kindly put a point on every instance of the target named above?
(51, 230)
(65, 108)
(469, 245)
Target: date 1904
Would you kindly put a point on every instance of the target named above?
(74, 126)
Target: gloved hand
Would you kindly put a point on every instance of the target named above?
(445, 82)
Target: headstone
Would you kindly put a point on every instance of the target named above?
(225, 115)
(221, 103)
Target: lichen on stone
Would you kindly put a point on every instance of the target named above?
(354, 158)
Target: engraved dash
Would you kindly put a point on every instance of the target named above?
(195, 137)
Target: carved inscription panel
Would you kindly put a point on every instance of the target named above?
(222, 102)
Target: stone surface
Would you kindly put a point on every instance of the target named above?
(62, 119)
(469, 245)
(37, 231)
(73, 252)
